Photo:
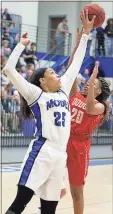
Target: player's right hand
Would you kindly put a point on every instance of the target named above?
(25, 40)
(88, 25)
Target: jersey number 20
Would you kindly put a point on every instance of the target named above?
(59, 118)
(77, 116)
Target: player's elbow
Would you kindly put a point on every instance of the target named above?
(7, 69)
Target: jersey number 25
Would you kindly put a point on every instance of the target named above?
(59, 118)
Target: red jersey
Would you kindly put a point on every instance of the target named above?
(82, 123)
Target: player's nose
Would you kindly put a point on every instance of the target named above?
(58, 76)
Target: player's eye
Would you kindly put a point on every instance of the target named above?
(52, 72)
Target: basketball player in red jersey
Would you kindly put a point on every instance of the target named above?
(88, 109)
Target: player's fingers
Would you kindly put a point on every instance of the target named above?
(83, 16)
(93, 19)
(95, 72)
(97, 64)
(86, 14)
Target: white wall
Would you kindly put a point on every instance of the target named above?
(69, 9)
(29, 13)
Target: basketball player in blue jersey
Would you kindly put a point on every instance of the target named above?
(47, 100)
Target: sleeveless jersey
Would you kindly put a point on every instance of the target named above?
(52, 117)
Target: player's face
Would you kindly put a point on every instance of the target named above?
(97, 89)
(51, 80)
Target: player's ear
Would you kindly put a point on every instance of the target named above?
(99, 91)
(42, 80)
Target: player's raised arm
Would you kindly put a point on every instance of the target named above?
(92, 107)
(69, 77)
(29, 91)
(75, 87)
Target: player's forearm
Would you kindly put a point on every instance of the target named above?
(78, 58)
(75, 84)
(74, 88)
(69, 77)
(90, 102)
(14, 57)
(22, 85)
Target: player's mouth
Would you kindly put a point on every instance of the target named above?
(59, 80)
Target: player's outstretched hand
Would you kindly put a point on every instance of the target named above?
(25, 40)
(95, 72)
(88, 25)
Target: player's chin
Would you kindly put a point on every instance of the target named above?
(59, 85)
(85, 92)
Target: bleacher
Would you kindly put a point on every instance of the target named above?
(48, 58)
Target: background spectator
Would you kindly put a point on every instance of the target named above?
(22, 70)
(79, 78)
(5, 49)
(86, 74)
(30, 70)
(81, 85)
(109, 33)
(10, 100)
(4, 27)
(4, 79)
(61, 31)
(3, 62)
(12, 33)
(92, 42)
(6, 15)
(100, 40)
(29, 56)
(62, 71)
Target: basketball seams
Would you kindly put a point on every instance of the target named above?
(94, 8)
(100, 16)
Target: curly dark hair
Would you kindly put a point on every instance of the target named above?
(102, 98)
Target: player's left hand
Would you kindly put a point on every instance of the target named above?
(25, 40)
(95, 72)
(88, 25)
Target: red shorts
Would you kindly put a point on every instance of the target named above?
(78, 161)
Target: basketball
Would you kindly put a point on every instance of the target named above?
(98, 11)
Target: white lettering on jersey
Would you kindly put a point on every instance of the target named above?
(79, 103)
(77, 115)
